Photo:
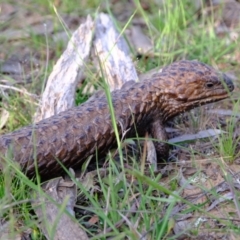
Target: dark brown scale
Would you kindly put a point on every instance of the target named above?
(73, 135)
(200, 73)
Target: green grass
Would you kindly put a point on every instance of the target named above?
(228, 144)
(128, 203)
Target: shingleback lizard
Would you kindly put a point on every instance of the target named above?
(77, 133)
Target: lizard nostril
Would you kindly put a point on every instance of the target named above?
(229, 83)
(230, 86)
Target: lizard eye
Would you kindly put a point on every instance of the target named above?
(209, 85)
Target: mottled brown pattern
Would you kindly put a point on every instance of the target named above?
(75, 134)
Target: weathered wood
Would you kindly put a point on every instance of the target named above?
(113, 53)
(61, 85)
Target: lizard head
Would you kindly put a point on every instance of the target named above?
(187, 84)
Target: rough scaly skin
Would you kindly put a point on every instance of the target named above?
(75, 134)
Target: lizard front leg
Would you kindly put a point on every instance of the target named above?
(158, 133)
